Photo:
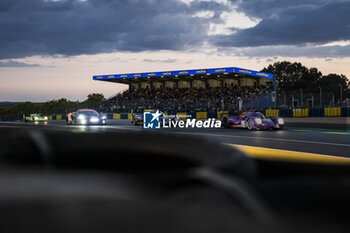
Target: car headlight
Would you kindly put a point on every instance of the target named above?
(35, 118)
(103, 117)
(280, 121)
(258, 121)
(45, 117)
(94, 119)
(81, 117)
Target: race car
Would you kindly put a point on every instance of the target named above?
(35, 118)
(253, 121)
(69, 118)
(86, 117)
(137, 119)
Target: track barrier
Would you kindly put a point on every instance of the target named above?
(201, 115)
(296, 112)
(272, 113)
(334, 112)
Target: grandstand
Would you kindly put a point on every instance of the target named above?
(186, 90)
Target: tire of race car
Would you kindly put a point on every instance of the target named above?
(250, 124)
(282, 128)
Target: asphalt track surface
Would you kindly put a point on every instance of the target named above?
(331, 143)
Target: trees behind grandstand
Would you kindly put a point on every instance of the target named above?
(94, 98)
(295, 76)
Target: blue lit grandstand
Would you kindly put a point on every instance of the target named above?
(212, 71)
(186, 90)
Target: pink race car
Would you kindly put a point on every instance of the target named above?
(253, 121)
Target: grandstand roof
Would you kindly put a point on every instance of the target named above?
(177, 73)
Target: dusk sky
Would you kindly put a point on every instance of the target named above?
(51, 48)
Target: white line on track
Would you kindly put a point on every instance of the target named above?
(239, 136)
(235, 136)
(124, 127)
(270, 139)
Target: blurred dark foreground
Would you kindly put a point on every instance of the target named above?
(56, 181)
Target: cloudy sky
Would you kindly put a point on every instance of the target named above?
(52, 48)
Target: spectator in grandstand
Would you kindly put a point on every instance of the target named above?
(182, 99)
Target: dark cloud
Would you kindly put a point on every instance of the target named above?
(73, 27)
(161, 61)
(273, 8)
(17, 64)
(291, 23)
(289, 51)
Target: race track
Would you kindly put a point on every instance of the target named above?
(332, 143)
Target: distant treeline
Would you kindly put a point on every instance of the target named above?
(7, 103)
(53, 106)
(295, 76)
